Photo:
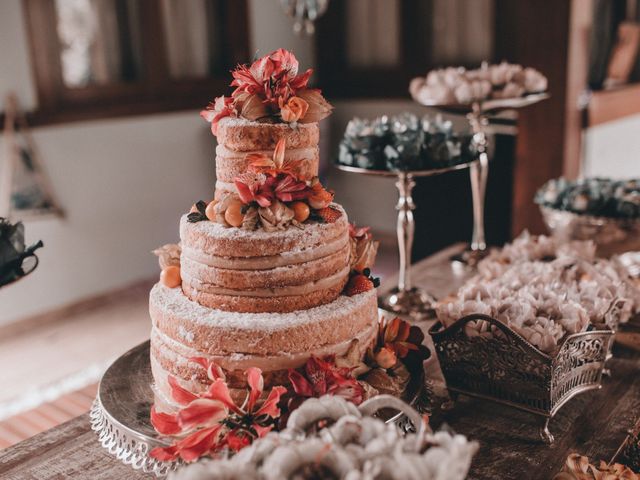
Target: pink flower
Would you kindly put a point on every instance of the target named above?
(221, 107)
(212, 421)
(254, 187)
(320, 377)
(261, 163)
(359, 232)
(272, 77)
(288, 189)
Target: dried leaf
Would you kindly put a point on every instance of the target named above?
(319, 108)
(253, 108)
(251, 219)
(168, 255)
(275, 217)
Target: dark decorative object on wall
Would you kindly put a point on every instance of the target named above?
(16, 259)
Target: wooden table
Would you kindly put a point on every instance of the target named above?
(593, 424)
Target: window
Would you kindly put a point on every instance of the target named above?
(373, 48)
(101, 58)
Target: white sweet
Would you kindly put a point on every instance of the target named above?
(544, 291)
(456, 84)
(355, 447)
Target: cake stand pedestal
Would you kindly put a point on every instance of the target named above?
(477, 115)
(120, 414)
(405, 299)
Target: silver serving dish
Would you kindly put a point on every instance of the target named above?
(612, 236)
(489, 105)
(120, 412)
(506, 368)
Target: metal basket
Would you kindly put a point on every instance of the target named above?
(611, 235)
(508, 369)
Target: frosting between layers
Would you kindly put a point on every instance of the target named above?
(310, 287)
(266, 262)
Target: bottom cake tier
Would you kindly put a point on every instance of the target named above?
(273, 342)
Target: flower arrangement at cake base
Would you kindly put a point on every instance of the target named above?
(329, 437)
(216, 423)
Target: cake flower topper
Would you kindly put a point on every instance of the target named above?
(271, 194)
(270, 90)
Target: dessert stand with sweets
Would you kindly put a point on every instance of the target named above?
(407, 299)
(405, 148)
(478, 94)
(602, 210)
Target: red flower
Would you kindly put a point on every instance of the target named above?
(319, 197)
(218, 109)
(212, 420)
(398, 339)
(255, 188)
(272, 77)
(320, 377)
(288, 189)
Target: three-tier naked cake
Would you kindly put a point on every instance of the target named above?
(270, 272)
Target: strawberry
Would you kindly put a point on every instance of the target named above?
(327, 215)
(360, 283)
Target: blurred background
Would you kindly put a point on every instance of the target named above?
(103, 99)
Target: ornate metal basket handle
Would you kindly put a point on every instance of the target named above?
(380, 402)
(438, 329)
(571, 341)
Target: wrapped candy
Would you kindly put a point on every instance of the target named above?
(544, 291)
(404, 143)
(600, 197)
(457, 85)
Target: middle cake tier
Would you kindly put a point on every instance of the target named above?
(239, 270)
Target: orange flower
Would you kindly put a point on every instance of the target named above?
(319, 197)
(293, 109)
(260, 163)
(386, 357)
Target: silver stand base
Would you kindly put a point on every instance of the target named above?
(469, 258)
(413, 302)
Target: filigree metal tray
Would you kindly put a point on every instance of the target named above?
(508, 369)
(120, 412)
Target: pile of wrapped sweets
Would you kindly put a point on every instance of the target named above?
(544, 291)
(600, 197)
(351, 446)
(404, 143)
(457, 85)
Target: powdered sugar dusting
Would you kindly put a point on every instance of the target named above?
(171, 301)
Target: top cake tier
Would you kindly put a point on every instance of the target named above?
(239, 140)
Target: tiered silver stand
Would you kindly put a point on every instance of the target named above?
(120, 412)
(477, 114)
(406, 299)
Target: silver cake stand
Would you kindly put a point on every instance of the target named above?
(120, 412)
(406, 299)
(477, 114)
